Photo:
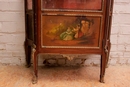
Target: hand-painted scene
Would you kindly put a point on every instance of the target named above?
(72, 4)
(70, 31)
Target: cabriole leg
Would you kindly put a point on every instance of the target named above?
(35, 65)
(103, 67)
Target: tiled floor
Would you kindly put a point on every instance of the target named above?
(20, 76)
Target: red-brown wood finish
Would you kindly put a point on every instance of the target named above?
(68, 27)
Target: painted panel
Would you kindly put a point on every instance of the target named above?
(70, 31)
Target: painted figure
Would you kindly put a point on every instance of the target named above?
(78, 32)
(67, 35)
(84, 27)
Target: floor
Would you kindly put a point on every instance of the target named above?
(73, 76)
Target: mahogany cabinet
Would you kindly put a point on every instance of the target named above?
(68, 27)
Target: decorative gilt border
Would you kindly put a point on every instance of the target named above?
(97, 47)
(102, 8)
(70, 47)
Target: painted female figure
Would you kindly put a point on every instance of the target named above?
(67, 35)
(78, 32)
(84, 27)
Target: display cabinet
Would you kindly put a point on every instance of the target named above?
(68, 27)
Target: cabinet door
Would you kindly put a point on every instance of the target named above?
(71, 23)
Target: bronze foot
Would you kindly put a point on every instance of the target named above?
(102, 79)
(34, 79)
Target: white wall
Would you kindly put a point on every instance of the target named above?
(12, 31)
(12, 34)
(120, 34)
